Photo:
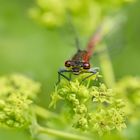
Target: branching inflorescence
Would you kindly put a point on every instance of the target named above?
(16, 96)
(93, 108)
(89, 108)
(54, 13)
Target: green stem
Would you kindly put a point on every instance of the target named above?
(61, 134)
(44, 113)
(37, 130)
(106, 67)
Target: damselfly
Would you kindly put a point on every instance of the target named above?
(80, 62)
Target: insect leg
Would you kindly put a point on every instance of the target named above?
(92, 72)
(70, 76)
(60, 73)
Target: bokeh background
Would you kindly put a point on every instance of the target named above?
(31, 49)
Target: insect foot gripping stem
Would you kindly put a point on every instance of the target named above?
(61, 74)
(91, 71)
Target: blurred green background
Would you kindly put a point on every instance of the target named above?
(28, 48)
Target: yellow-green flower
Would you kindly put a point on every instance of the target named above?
(17, 93)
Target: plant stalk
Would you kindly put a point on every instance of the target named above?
(44, 113)
(61, 134)
(106, 67)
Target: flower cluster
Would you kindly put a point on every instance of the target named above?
(94, 108)
(129, 89)
(16, 96)
(84, 13)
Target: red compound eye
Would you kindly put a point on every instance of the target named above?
(86, 65)
(68, 63)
